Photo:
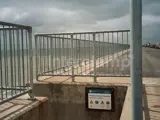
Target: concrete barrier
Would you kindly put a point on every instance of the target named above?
(23, 109)
(67, 99)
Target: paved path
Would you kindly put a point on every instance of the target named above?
(119, 64)
(150, 64)
(86, 68)
(151, 101)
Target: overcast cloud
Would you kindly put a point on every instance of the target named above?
(80, 15)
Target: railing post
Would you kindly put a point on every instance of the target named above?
(79, 50)
(94, 58)
(31, 61)
(72, 54)
(136, 59)
(36, 53)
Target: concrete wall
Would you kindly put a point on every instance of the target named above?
(39, 112)
(22, 108)
(67, 100)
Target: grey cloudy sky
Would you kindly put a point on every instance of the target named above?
(80, 15)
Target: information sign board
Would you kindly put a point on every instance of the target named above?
(99, 98)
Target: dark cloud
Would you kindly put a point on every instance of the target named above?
(80, 15)
(152, 8)
(150, 33)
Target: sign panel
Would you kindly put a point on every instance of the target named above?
(99, 99)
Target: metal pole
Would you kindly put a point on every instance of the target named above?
(136, 59)
(31, 60)
(36, 54)
(73, 79)
(94, 58)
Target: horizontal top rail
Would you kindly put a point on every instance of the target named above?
(82, 32)
(7, 29)
(16, 25)
(85, 40)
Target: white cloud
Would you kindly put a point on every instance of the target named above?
(150, 19)
(6, 13)
(21, 16)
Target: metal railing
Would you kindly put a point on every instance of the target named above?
(16, 75)
(92, 54)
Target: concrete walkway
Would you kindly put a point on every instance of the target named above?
(151, 101)
(87, 67)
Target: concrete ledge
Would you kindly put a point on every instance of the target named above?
(23, 109)
(67, 99)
